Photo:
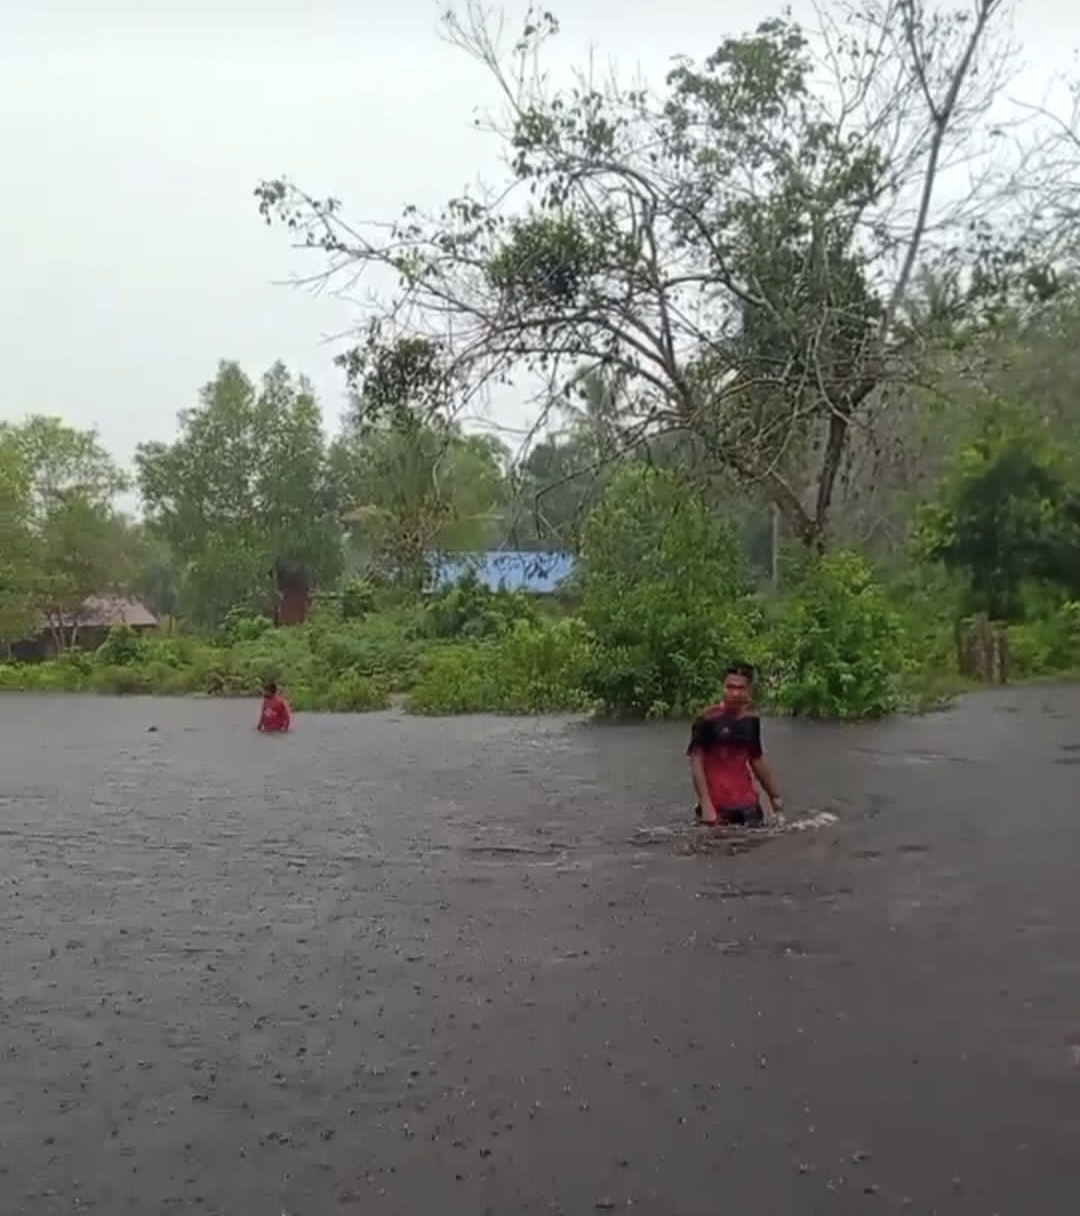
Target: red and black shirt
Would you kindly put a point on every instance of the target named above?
(275, 714)
(727, 741)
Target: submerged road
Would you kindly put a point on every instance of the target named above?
(394, 965)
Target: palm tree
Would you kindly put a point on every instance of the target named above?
(595, 415)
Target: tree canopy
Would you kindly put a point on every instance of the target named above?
(246, 483)
(1007, 514)
(748, 249)
(415, 489)
(61, 538)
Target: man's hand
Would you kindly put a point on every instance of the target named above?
(777, 804)
(708, 813)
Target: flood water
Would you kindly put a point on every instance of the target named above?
(400, 965)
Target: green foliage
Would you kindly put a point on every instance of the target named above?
(358, 599)
(1046, 645)
(542, 665)
(355, 693)
(664, 596)
(414, 491)
(1007, 515)
(63, 463)
(534, 667)
(563, 476)
(547, 262)
(61, 539)
(239, 626)
(16, 544)
(386, 647)
(731, 244)
(124, 647)
(743, 323)
(120, 680)
(832, 648)
(838, 648)
(247, 482)
(399, 385)
(456, 679)
(470, 610)
(322, 666)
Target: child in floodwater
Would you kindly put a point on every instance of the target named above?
(726, 755)
(274, 717)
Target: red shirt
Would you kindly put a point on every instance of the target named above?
(275, 714)
(728, 740)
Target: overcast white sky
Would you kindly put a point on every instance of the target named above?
(132, 257)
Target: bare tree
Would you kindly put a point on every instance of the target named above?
(740, 248)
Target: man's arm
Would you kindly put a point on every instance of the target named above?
(762, 770)
(701, 786)
(700, 738)
(286, 716)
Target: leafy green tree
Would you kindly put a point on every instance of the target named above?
(65, 464)
(739, 249)
(839, 647)
(81, 554)
(552, 490)
(247, 482)
(1033, 356)
(70, 532)
(663, 594)
(16, 544)
(1007, 515)
(563, 475)
(417, 489)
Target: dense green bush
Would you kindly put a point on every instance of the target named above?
(665, 603)
(665, 598)
(541, 667)
(456, 679)
(358, 599)
(535, 667)
(354, 693)
(121, 679)
(322, 666)
(71, 673)
(124, 647)
(838, 648)
(471, 610)
(1046, 645)
(243, 627)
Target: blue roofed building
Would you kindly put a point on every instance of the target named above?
(508, 570)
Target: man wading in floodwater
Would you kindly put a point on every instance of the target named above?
(726, 755)
(274, 715)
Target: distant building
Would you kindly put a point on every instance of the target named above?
(87, 628)
(509, 570)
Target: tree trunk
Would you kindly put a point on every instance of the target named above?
(775, 550)
(982, 651)
(56, 631)
(835, 443)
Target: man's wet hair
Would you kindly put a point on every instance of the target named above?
(745, 670)
(270, 688)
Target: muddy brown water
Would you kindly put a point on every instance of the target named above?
(394, 965)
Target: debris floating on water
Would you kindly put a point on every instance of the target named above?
(696, 838)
